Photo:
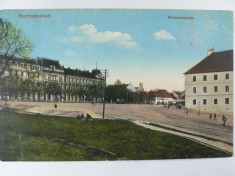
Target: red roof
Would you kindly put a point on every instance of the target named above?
(162, 93)
(215, 62)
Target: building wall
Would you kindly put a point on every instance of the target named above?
(210, 94)
(47, 74)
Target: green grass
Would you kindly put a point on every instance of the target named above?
(34, 137)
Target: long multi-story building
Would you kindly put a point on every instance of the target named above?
(44, 70)
(209, 84)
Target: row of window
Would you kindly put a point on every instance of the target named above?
(71, 87)
(215, 77)
(215, 101)
(216, 89)
(77, 80)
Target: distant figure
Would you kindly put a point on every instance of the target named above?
(168, 106)
(186, 111)
(214, 116)
(224, 119)
(55, 105)
(80, 117)
(210, 116)
(88, 117)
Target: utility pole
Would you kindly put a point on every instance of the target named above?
(198, 108)
(105, 72)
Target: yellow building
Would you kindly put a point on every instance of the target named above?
(46, 71)
(209, 84)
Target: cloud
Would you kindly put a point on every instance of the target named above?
(88, 32)
(69, 53)
(163, 35)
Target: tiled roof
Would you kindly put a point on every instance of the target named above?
(215, 62)
(16, 59)
(47, 62)
(162, 93)
(87, 74)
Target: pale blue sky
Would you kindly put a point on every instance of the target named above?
(135, 45)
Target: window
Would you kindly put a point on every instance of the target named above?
(66, 79)
(69, 79)
(215, 88)
(215, 77)
(204, 89)
(194, 78)
(226, 88)
(215, 101)
(60, 79)
(204, 101)
(227, 76)
(194, 90)
(204, 78)
(194, 102)
(226, 100)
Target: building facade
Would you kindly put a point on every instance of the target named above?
(43, 70)
(162, 96)
(209, 84)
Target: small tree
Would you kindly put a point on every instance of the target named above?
(118, 83)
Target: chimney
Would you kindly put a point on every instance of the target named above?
(210, 51)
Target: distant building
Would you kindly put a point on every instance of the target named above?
(162, 96)
(179, 96)
(209, 84)
(43, 70)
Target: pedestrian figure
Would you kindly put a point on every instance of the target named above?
(224, 119)
(80, 117)
(210, 116)
(168, 106)
(55, 105)
(214, 116)
(88, 117)
(186, 111)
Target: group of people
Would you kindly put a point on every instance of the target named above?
(210, 117)
(223, 118)
(82, 117)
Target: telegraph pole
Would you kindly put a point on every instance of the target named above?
(198, 109)
(105, 72)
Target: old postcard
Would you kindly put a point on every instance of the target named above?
(94, 85)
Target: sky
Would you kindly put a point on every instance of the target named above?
(134, 45)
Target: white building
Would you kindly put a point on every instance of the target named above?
(209, 84)
(162, 97)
